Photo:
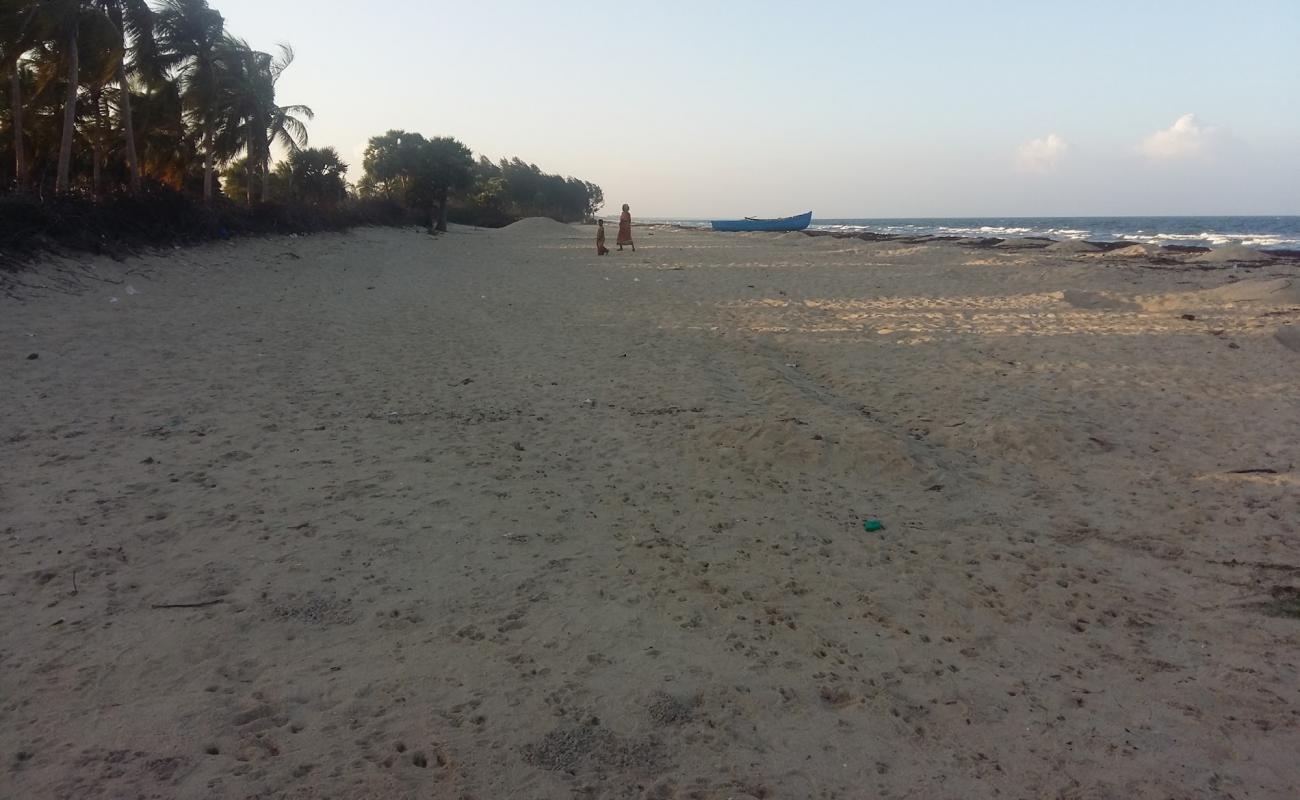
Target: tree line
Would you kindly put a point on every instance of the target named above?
(104, 97)
(440, 174)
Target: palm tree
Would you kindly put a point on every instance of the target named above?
(237, 68)
(16, 119)
(14, 31)
(42, 87)
(449, 168)
(256, 121)
(285, 130)
(189, 37)
(56, 21)
(100, 53)
(283, 124)
(60, 33)
(167, 146)
(133, 20)
(63, 18)
(314, 175)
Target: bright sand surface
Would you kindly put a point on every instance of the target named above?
(488, 516)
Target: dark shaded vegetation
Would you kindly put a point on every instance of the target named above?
(122, 224)
(440, 177)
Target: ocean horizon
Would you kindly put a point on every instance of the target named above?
(1275, 232)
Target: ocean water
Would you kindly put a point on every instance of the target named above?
(1259, 232)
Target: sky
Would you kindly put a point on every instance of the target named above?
(849, 109)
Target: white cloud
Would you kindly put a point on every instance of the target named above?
(1041, 155)
(1187, 137)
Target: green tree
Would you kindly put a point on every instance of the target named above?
(168, 149)
(284, 127)
(256, 122)
(56, 22)
(595, 199)
(450, 166)
(313, 175)
(421, 173)
(100, 44)
(63, 18)
(133, 23)
(15, 39)
(515, 188)
(69, 46)
(242, 104)
(189, 41)
(236, 178)
(391, 166)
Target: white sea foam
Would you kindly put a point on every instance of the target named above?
(1151, 232)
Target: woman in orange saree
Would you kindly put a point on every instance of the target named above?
(625, 229)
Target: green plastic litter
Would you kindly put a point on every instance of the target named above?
(872, 525)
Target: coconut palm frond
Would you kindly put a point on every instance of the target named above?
(289, 131)
(282, 62)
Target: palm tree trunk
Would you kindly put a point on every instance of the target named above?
(442, 211)
(20, 149)
(63, 181)
(209, 127)
(208, 144)
(248, 167)
(97, 147)
(266, 176)
(128, 128)
(264, 142)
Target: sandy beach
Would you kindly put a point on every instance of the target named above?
(378, 515)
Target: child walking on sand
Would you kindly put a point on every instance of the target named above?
(601, 249)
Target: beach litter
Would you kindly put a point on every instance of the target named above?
(872, 525)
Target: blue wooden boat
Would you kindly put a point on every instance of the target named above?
(750, 224)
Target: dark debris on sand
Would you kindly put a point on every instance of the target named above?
(665, 709)
(574, 748)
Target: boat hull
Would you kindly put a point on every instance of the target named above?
(784, 224)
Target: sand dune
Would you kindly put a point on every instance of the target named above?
(535, 228)
(379, 515)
